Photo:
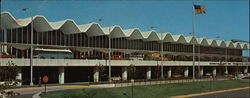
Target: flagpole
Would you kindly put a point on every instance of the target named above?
(193, 34)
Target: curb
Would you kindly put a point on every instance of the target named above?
(37, 95)
(208, 93)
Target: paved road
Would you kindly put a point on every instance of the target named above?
(24, 96)
(231, 94)
(28, 92)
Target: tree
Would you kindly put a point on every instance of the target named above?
(101, 69)
(158, 71)
(8, 75)
(131, 71)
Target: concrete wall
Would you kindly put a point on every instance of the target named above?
(85, 62)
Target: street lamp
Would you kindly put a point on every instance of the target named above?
(155, 27)
(31, 48)
(109, 52)
(225, 54)
(193, 34)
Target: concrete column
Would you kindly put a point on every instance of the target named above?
(169, 72)
(201, 71)
(149, 73)
(186, 72)
(61, 75)
(96, 76)
(19, 77)
(4, 48)
(245, 70)
(214, 71)
(124, 73)
(0, 48)
(226, 71)
(22, 51)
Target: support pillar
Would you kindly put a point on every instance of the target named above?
(0, 48)
(61, 75)
(226, 71)
(22, 53)
(124, 73)
(4, 47)
(201, 71)
(96, 75)
(19, 77)
(169, 72)
(149, 73)
(214, 71)
(245, 70)
(186, 72)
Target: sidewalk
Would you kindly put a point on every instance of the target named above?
(165, 82)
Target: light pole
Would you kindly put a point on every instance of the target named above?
(155, 27)
(31, 49)
(193, 34)
(109, 52)
(225, 54)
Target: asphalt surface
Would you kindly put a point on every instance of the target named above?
(29, 92)
(23, 96)
(232, 94)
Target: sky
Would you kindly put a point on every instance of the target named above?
(227, 19)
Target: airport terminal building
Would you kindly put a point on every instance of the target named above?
(68, 52)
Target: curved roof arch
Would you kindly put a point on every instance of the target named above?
(191, 40)
(26, 21)
(133, 34)
(67, 26)
(57, 25)
(70, 27)
(212, 43)
(179, 39)
(221, 43)
(237, 45)
(8, 21)
(150, 36)
(146, 34)
(203, 41)
(244, 46)
(41, 24)
(108, 30)
(230, 44)
(116, 32)
(92, 29)
(167, 37)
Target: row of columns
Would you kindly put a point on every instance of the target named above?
(96, 74)
(169, 73)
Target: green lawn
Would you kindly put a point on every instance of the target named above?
(153, 91)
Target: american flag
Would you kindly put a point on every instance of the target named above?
(199, 9)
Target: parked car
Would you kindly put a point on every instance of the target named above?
(116, 78)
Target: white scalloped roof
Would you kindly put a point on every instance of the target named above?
(68, 26)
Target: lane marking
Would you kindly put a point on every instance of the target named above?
(208, 93)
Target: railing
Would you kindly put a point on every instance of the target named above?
(86, 62)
